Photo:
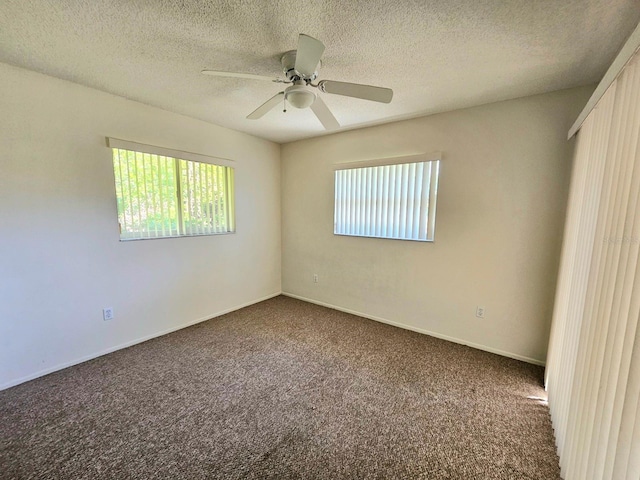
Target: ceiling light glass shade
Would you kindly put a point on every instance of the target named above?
(299, 97)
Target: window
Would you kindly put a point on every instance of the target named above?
(396, 200)
(164, 195)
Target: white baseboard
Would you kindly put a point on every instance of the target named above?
(46, 371)
(421, 330)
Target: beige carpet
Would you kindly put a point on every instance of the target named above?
(282, 389)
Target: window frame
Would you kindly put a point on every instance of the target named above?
(432, 159)
(178, 157)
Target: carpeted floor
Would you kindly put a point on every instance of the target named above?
(282, 389)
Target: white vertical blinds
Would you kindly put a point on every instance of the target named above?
(160, 196)
(206, 208)
(593, 365)
(387, 201)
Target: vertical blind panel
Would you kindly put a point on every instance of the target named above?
(589, 349)
(417, 199)
(397, 199)
(593, 365)
(434, 173)
(229, 206)
(386, 174)
(627, 455)
(623, 262)
(563, 345)
(389, 201)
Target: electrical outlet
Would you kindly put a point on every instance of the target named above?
(107, 313)
(480, 312)
(315, 278)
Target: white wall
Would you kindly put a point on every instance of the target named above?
(60, 258)
(502, 195)
(503, 189)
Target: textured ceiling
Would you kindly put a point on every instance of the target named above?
(435, 55)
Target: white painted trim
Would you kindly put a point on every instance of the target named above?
(622, 59)
(374, 162)
(64, 365)
(421, 330)
(167, 152)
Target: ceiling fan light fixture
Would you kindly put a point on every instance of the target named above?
(299, 96)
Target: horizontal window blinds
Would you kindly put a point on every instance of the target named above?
(388, 201)
(593, 365)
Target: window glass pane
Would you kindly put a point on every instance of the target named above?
(159, 196)
(146, 195)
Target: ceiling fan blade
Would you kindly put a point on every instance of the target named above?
(366, 92)
(251, 76)
(266, 106)
(324, 114)
(308, 55)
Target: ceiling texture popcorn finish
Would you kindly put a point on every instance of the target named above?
(436, 56)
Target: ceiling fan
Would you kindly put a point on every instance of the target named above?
(301, 69)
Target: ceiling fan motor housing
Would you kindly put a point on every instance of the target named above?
(288, 62)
